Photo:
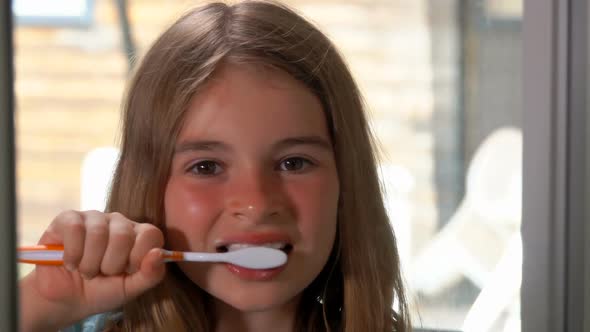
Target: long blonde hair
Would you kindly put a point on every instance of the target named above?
(358, 286)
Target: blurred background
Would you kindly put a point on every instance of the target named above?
(441, 79)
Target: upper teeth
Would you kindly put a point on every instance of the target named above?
(237, 246)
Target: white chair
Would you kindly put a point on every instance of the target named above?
(472, 243)
(97, 171)
(499, 294)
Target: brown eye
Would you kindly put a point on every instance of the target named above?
(206, 167)
(294, 164)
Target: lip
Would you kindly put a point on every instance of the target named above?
(255, 238)
(253, 274)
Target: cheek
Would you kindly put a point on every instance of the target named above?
(190, 213)
(317, 203)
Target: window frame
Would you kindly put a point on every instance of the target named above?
(555, 184)
(9, 300)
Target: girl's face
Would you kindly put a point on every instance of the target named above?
(253, 164)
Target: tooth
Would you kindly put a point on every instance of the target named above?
(275, 245)
(238, 246)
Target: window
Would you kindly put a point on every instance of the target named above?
(54, 12)
(443, 83)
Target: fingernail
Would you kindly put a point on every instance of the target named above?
(70, 267)
(85, 277)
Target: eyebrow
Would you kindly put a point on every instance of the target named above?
(316, 141)
(200, 146)
(288, 142)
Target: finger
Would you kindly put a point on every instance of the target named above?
(148, 237)
(151, 272)
(95, 243)
(70, 228)
(121, 240)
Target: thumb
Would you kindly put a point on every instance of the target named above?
(150, 273)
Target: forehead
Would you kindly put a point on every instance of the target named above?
(246, 98)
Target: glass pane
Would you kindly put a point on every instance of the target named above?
(69, 83)
(443, 82)
(441, 79)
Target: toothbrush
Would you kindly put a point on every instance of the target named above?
(249, 257)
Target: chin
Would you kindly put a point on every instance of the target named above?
(253, 305)
(256, 299)
(243, 295)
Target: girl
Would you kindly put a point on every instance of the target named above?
(242, 125)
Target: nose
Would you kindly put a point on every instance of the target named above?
(255, 196)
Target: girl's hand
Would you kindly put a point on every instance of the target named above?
(108, 260)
